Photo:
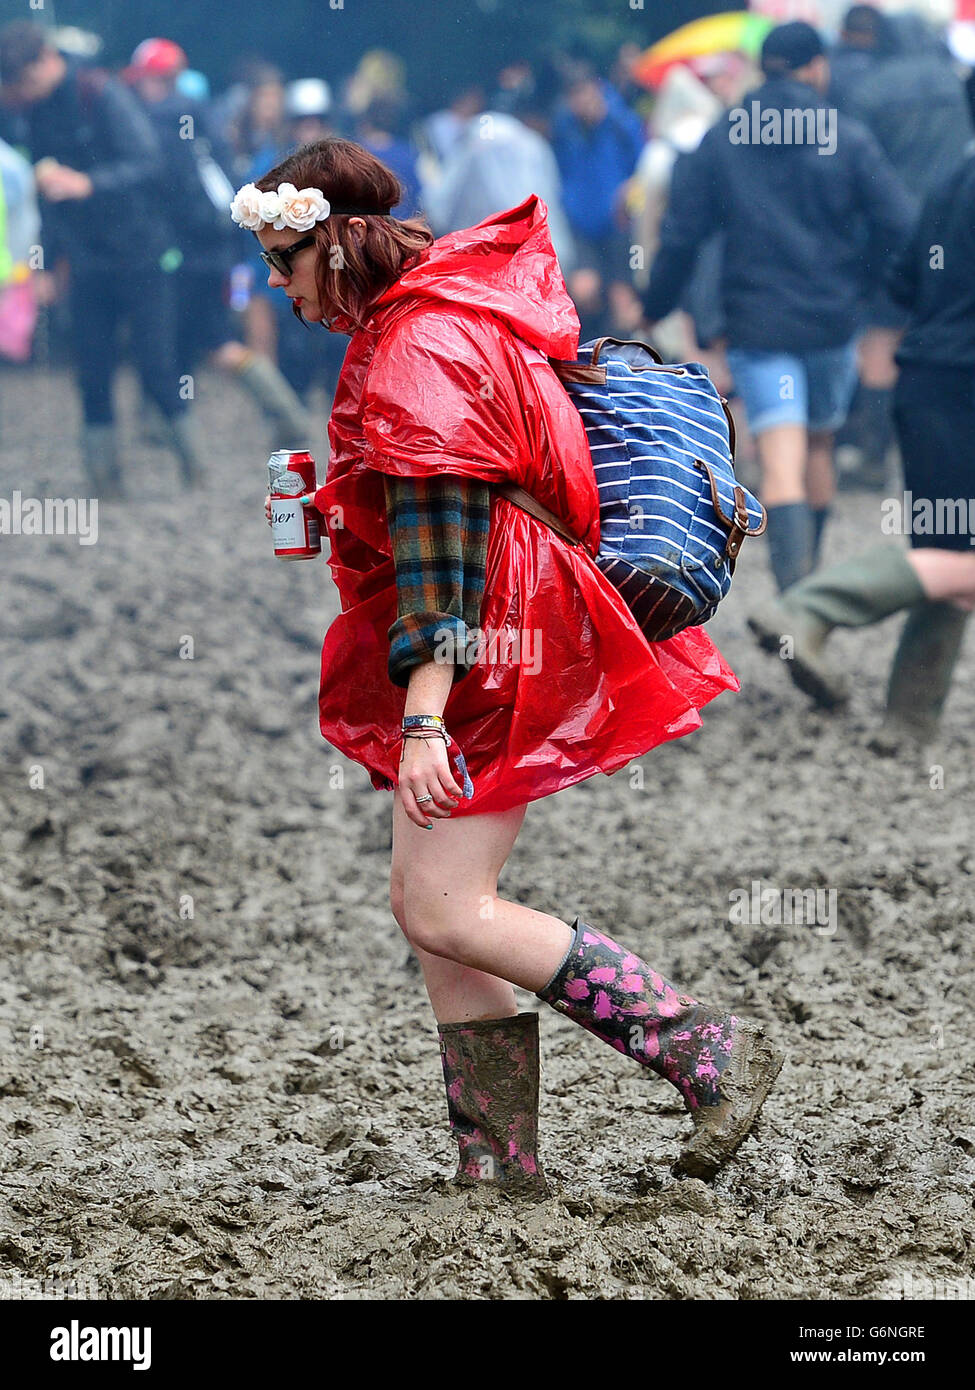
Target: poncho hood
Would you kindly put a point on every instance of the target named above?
(507, 266)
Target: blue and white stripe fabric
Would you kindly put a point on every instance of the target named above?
(650, 429)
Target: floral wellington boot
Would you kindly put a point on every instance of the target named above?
(490, 1069)
(723, 1066)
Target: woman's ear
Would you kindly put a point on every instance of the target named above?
(358, 229)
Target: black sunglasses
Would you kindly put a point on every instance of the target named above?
(280, 259)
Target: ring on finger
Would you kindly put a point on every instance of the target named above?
(428, 797)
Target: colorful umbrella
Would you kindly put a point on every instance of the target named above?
(737, 31)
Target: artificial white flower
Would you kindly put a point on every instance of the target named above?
(271, 209)
(246, 207)
(255, 208)
(303, 209)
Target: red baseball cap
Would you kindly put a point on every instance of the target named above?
(156, 57)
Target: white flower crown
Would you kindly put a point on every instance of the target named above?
(288, 207)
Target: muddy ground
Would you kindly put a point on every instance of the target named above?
(219, 1075)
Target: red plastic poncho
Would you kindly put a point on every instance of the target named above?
(460, 384)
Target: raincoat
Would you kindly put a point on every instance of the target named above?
(449, 375)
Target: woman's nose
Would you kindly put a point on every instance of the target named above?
(275, 279)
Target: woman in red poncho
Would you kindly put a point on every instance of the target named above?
(480, 660)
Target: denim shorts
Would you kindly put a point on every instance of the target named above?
(812, 388)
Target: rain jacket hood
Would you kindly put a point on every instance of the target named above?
(504, 266)
(450, 375)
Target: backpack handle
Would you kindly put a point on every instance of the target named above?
(625, 342)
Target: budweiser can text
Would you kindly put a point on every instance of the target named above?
(294, 527)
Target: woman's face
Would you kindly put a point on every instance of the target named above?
(300, 286)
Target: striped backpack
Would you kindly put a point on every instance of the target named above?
(672, 514)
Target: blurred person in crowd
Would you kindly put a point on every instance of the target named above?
(444, 129)
(934, 415)
(308, 109)
(380, 131)
(20, 231)
(498, 163)
(866, 37)
(907, 93)
(792, 214)
(301, 362)
(256, 128)
(683, 113)
(202, 243)
(515, 83)
(597, 141)
(379, 76)
(98, 165)
(633, 93)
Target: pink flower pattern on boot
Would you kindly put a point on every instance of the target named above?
(490, 1069)
(615, 995)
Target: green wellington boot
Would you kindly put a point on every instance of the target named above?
(99, 454)
(277, 398)
(184, 441)
(853, 593)
(920, 676)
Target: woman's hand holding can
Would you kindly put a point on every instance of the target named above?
(307, 500)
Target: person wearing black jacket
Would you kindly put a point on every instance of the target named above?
(908, 95)
(934, 414)
(96, 159)
(195, 182)
(796, 190)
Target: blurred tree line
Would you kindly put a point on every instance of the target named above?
(441, 41)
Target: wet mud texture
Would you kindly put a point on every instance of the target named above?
(219, 1075)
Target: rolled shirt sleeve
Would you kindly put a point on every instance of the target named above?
(438, 528)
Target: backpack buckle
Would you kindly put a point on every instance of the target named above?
(737, 524)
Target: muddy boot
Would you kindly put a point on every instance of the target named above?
(182, 439)
(852, 593)
(490, 1069)
(920, 676)
(262, 380)
(723, 1066)
(99, 454)
(790, 542)
(152, 423)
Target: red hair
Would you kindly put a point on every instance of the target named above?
(350, 275)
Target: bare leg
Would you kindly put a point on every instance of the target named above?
(820, 477)
(946, 575)
(471, 944)
(782, 454)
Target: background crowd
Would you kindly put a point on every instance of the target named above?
(768, 265)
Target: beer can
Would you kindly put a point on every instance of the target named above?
(294, 527)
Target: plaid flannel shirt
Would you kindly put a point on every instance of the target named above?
(438, 527)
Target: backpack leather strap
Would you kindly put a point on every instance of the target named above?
(529, 504)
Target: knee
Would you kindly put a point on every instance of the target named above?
(440, 923)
